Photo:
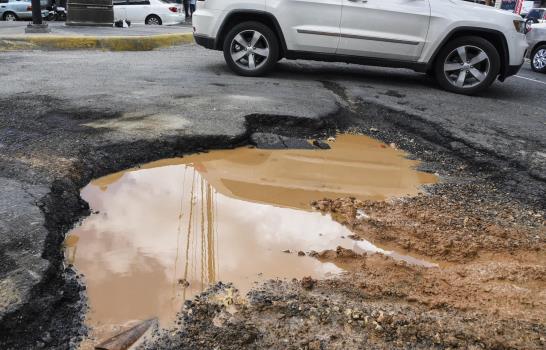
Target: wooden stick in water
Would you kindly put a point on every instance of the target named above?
(125, 339)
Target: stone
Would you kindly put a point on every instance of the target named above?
(308, 283)
(321, 144)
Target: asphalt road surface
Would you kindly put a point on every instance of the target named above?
(69, 116)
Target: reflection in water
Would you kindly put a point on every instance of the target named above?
(163, 233)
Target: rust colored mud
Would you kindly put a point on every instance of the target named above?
(165, 231)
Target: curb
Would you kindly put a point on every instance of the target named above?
(107, 43)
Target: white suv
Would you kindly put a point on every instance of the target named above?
(464, 45)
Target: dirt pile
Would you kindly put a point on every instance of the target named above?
(454, 224)
(487, 293)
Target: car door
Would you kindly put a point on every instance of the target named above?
(120, 9)
(3, 7)
(308, 25)
(384, 29)
(137, 10)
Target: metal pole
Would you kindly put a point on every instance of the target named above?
(37, 26)
(36, 12)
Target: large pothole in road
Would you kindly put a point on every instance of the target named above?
(164, 232)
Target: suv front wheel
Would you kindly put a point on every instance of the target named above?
(467, 65)
(251, 49)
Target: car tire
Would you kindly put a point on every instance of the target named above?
(538, 59)
(251, 49)
(153, 20)
(467, 65)
(9, 16)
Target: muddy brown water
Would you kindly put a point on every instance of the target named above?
(163, 232)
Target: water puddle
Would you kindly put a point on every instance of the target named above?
(165, 231)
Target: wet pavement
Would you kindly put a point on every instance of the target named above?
(164, 232)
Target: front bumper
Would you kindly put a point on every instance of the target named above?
(205, 41)
(174, 18)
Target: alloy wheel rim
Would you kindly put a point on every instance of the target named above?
(153, 21)
(10, 17)
(249, 49)
(467, 66)
(539, 59)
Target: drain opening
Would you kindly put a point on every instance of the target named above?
(162, 233)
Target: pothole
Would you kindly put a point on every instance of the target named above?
(164, 232)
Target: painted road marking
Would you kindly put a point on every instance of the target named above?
(536, 81)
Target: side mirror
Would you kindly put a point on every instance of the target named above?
(528, 26)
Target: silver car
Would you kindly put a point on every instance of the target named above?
(537, 47)
(12, 10)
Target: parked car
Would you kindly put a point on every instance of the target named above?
(537, 47)
(536, 15)
(13, 10)
(148, 11)
(466, 46)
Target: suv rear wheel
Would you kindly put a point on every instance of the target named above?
(467, 65)
(251, 49)
(538, 59)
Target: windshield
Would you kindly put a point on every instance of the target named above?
(534, 14)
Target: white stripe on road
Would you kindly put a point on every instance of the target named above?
(536, 81)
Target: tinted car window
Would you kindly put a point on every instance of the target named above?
(535, 14)
(138, 2)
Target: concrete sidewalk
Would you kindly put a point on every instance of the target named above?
(62, 37)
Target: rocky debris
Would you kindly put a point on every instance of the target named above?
(313, 254)
(206, 323)
(274, 141)
(308, 282)
(184, 283)
(344, 211)
(340, 253)
(301, 253)
(321, 144)
(454, 224)
(334, 315)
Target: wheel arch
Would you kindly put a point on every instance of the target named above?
(238, 16)
(495, 37)
(8, 12)
(537, 45)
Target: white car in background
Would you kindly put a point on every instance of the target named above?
(148, 11)
(13, 10)
(537, 47)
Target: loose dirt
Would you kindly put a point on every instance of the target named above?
(490, 296)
